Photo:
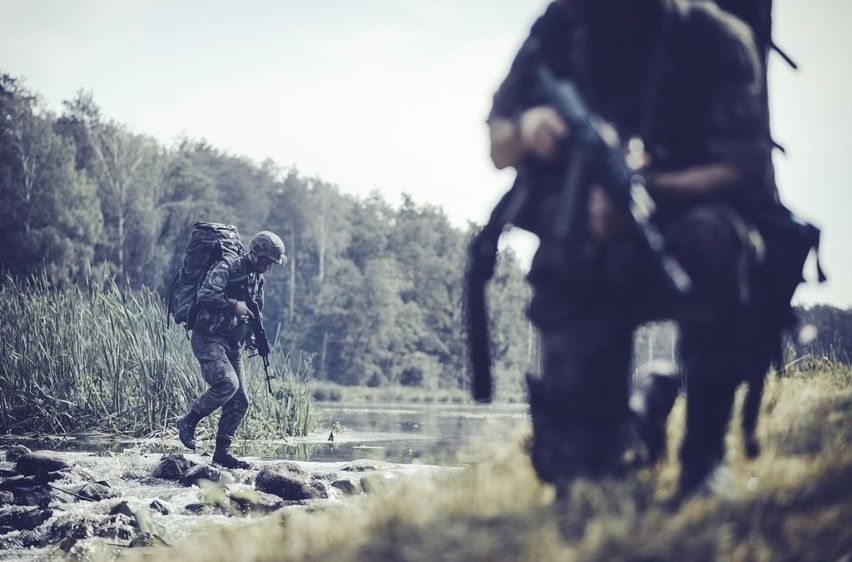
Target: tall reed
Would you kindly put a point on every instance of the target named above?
(98, 358)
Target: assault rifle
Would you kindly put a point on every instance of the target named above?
(592, 147)
(261, 342)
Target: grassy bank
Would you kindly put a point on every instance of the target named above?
(794, 503)
(87, 358)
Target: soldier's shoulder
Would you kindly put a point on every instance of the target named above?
(722, 40)
(226, 267)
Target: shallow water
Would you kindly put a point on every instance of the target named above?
(417, 439)
(442, 434)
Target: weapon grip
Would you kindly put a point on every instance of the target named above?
(571, 193)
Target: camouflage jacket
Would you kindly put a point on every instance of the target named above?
(218, 294)
(707, 104)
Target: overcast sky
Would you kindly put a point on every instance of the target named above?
(392, 94)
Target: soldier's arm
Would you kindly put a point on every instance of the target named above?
(737, 146)
(513, 102)
(211, 293)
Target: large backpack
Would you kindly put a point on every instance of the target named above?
(789, 239)
(208, 243)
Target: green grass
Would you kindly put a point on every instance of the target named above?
(95, 357)
(794, 503)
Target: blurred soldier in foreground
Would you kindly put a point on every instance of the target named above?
(684, 231)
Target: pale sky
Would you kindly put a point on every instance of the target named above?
(392, 94)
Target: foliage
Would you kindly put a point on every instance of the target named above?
(372, 290)
(93, 357)
(833, 332)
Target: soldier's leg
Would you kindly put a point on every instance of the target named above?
(580, 404)
(219, 373)
(233, 412)
(217, 370)
(710, 247)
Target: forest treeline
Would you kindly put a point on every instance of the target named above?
(372, 289)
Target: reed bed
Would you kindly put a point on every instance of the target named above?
(98, 358)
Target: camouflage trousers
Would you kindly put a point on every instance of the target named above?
(222, 368)
(587, 301)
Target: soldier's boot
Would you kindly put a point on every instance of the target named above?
(186, 429)
(223, 457)
(651, 400)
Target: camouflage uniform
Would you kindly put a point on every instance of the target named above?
(218, 333)
(589, 296)
(218, 336)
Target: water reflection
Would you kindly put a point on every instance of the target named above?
(439, 434)
(442, 434)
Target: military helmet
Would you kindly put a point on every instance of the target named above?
(268, 245)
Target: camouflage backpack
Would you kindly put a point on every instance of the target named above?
(208, 243)
(789, 239)
(757, 14)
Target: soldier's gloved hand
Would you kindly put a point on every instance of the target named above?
(541, 131)
(242, 309)
(251, 342)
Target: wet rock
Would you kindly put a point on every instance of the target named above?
(66, 544)
(39, 496)
(6, 473)
(15, 452)
(200, 472)
(9, 484)
(31, 464)
(366, 465)
(254, 502)
(378, 481)
(144, 539)
(160, 507)
(33, 539)
(320, 487)
(4, 530)
(327, 476)
(140, 474)
(285, 480)
(24, 518)
(206, 509)
(96, 492)
(73, 525)
(6, 497)
(118, 526)
(123, 508)
(348, 486)
(172, 466)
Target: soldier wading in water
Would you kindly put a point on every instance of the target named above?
(220, 330)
